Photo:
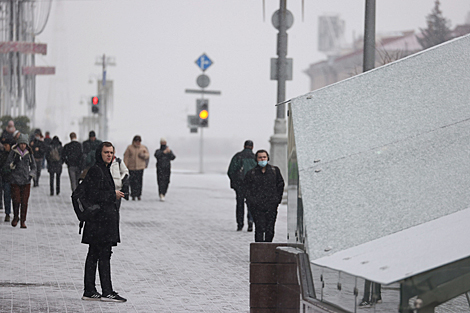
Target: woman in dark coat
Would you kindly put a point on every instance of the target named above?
(103, 232)
(54, 163)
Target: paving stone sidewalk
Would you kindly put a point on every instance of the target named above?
(181, 255)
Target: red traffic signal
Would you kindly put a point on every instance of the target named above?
(95, 101)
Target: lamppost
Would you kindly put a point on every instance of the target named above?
(281, 70)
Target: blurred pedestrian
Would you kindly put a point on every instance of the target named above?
(5, 172)
(240, 164)
(264, 188)
(8, 132)
(47, 142)
(372, 294)
(23, 168)
(136, 158)
(164, 156)
(101, 233)
(89, 147)
(54, 163)
(72, 155)
(39, 152)
(120, 175)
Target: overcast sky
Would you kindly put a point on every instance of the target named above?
(156, 42)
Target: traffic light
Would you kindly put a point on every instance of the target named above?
(95, 104)
(202, 111)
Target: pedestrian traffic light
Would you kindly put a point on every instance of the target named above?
(95, 104)
(202, 111)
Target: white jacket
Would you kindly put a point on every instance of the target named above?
(118, 171)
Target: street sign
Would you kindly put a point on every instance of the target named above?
(203, 62)
(203, 81)
(204, 92)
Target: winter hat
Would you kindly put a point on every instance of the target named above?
(91, 134)
(23, 139)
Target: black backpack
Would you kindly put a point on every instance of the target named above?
(84, 210)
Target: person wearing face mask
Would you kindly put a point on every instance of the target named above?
(264, 188)
(163, 155)
(23, 168)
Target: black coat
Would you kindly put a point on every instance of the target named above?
(72, 154)
(264, 190)
(99, 186)
(54, 166)
(163, 159)
(39, 148)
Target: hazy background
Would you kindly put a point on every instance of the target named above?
(155, 44)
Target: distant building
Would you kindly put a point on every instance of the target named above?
(348, 62)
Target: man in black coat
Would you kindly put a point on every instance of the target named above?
(103, 231)
(240, 164)
(264, 188)
(72, 155)
(39, 151)
(164, 155)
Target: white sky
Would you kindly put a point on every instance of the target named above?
(156, 43)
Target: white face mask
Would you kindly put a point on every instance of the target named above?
(263, 163)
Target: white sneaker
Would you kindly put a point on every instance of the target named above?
(162, 197)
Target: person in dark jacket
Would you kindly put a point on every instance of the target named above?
(5, 172)
(54, 163)
(39, 151)
(72, 155)
(102, 233)
(264, 188)
(240, 164)
(164, 156)
(89, 147)
(23, 168)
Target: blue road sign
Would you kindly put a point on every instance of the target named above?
(203, 62)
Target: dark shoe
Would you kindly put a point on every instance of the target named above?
(14, 222)
(133, 198)
(7, 218)
(239, 228)
(364, 304)
(138, 198)
(250, 227)
(23, 225)
(91, 296)
(113, 297)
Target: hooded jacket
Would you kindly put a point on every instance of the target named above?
(100, 189)
(23, 167)
(54, 166)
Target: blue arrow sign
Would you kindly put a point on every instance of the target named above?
(203, 62)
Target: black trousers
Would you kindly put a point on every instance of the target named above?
(240, 210)
(265, 219)
(163, 180)
(135, 182)
(376, 291)
(51, 182)
(98, 256)
(38, 171)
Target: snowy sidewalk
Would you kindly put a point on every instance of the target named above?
(181, 255)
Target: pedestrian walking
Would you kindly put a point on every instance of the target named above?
(264, 188)
(89, 147)
(39, 152)
(120, 175)
(240, 164)
(72, 155)
(5, 172)
(8, 132)
(164, 156)
(54, 163)
(102, 233)
(23, 168)
(136, 158)
(372, 294)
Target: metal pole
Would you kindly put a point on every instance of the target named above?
(281, 60)
(369, 36)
